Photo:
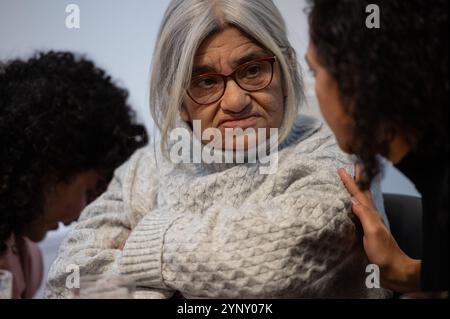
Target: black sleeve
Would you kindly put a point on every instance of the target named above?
(435, 268)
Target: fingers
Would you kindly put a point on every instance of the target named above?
(352, 187)
(364, 197)
(348, 181)
(362, 204)
(368, 217)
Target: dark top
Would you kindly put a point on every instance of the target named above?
(429, 173)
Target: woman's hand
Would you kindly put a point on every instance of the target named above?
(397, 271)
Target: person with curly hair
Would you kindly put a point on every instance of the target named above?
(64, 128)
(385, 92)
(216, 226)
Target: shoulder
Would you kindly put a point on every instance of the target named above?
(311, 142)
(308, 166)
(136, 181)
(139, 164)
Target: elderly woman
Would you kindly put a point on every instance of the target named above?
(209, 229)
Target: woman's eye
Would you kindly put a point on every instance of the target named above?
(206, 83)
(253, 70)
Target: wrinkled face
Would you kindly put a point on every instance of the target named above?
(222, 53)
(64, 203)
(328, 96)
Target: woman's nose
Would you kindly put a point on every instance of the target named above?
(235, 99)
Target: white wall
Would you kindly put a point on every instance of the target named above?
(119, 36)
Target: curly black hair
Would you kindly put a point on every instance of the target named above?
(60, 115)
(393, 79)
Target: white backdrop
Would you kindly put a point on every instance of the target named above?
(119, 36)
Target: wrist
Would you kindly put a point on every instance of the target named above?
(403, 275)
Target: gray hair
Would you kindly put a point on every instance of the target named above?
(186, 24)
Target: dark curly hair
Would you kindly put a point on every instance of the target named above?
(60, 115)
(392, 80)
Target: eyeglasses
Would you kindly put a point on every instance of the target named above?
(252, 76)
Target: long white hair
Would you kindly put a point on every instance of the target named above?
(186, 24)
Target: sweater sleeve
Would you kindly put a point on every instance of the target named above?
(300, 241)
(93, 245)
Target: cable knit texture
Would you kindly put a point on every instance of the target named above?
(226, 231)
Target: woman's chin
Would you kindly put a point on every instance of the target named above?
(344, 145)
(36, 236)
(242, 142)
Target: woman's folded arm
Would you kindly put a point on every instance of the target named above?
(291, 245)
(94, 245)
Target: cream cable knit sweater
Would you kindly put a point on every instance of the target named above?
(225, 231)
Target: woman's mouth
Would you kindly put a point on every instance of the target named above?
(241, 122)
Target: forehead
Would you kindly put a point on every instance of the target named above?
(226, 47)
